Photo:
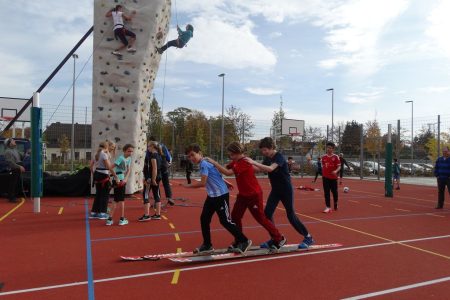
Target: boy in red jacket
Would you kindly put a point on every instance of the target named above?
(331, 165)
(250, 194)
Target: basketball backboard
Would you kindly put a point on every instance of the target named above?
(9, 107)
(292, 127)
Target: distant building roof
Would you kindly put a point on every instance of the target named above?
(82, 134)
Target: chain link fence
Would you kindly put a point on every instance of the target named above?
(416, 143)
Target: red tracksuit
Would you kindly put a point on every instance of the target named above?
(250, 196)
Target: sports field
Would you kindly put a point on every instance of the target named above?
(393, 248)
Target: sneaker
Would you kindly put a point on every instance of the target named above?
(267, 245)
(116, 53)
(307, 241)
(131, 49)
(156, 217)
(327, 210)
(232, 247)
(103, 216)
(280, 244)
(93, 215)
(204, 249)
(170, 202)
(144, 218)
(109, 222)
(159, 50)
(123, 222)
(242, 247)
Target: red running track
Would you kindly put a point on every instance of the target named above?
(394, 248)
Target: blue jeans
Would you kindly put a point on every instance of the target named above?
(287, 198)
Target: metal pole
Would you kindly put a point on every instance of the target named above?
(72, 135)
(223, 121)
(328, 129)
(36, 153)
(210, 138)
(339, 140)
(85, 134)
(412, 132)
(397, 150)
(439, 136)
(361, 153)
(332, 113)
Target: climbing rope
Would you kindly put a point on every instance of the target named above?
(76, 78)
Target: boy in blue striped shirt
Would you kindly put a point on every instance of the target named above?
(442, 173)
(217, 201)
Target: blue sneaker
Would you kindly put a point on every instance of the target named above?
(308, 241)
(103, 216)
(266, 245)
(93, 215)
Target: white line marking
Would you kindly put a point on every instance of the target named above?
(209, 266)
(398, 289)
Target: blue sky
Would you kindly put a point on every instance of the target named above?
(375, 54)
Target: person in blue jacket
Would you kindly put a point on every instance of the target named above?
(442, 173)
(181, 41)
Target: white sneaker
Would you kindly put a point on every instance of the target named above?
(123, 222)
(109, 222)
(327, 210)
(116, 53)
(131, 49)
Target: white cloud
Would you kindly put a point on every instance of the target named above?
(439, 26)
(435, 89)
(373, 94)
(276, 34)
(294, 53)
(353, 30)
(263, 91)
(226, 45)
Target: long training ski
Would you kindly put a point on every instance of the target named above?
(153, 257)
(250, 253)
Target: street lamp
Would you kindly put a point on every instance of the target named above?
(223, 125)
(412, 131)
(332, 112)
(72, 138)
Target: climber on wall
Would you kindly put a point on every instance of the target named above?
(120, 31)
(181, 41)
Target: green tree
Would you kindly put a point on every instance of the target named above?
(243, 126)
(351, 139)
(64, 146)
(155, 121)
(372, 139)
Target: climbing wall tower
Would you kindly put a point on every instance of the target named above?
(122, 86)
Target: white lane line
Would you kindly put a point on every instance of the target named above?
(217, 265)
(398, 289)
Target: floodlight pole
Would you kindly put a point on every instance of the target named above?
(72, 138)
(412, 131)
(223, 124)
(332, 113)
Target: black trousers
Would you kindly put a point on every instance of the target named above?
(442, 183)
(14, 183)
(219, 205)
(330, 185)
(174, 43)
(101, 198)
(155, 191)
(188, 177)
(287, 199)
(317, 175)
(166, 184)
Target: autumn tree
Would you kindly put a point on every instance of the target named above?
(155, 121)
(351, 138)
(372, 138)
(64, 146)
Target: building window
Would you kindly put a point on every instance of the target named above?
(77, 155)
(53, 157)
(88, 155)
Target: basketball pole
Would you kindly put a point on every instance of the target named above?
(388, 188)
(36, 153)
